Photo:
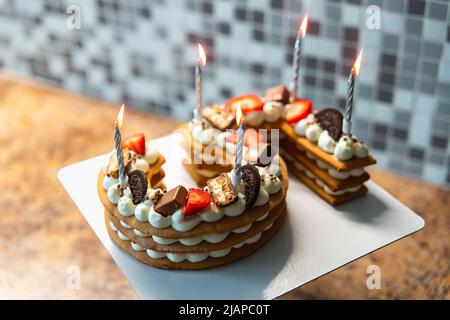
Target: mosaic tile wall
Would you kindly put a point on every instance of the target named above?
(142, 52)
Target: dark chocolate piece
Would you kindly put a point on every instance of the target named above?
(171, 201)
(219, 117)
(221, 190)
(137, 181)
(252, 183)
(279, 93)
(330, 120)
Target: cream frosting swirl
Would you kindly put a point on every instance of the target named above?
(344, 149)
(273, 111)
(191, 257)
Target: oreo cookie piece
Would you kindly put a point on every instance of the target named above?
(331, 120)
(251, 180)
(137, 181)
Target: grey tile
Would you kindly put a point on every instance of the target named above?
(437, 158)
(414, 26)
(333, 12)
(332, 32)
(432, 50)
(406, 82)
(402, 117)
(365, 91)
(396, 5)
(430, 69)
(437, 10)
(411, 47)
(390, 42)
(409, 65)
(427, 86)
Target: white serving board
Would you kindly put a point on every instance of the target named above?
(314, 240)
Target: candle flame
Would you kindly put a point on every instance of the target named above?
(303, 26)
(357, 65)
(201, 54)
(120, 116)
(239, 115)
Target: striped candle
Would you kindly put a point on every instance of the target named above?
(236, 176)
(118, 142)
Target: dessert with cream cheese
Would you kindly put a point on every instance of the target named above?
(193, 228)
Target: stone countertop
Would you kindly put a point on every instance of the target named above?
(44, 239)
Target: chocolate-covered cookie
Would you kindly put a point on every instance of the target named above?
(251, 180)
(279, 93)
(330, 120)
(138, 183)
(221, 190)
(171, 201)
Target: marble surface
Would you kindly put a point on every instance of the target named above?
(44, 240)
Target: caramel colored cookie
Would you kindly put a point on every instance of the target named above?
(157, 178)
(331, 199)
(198, 178)
(225, 224)
(204, 246)
(338, 165)
(210, 262)
(333, 183)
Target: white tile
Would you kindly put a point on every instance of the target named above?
(434, 173)
(420, 129)
(403, 99)
(350, 15)
(434, 30)
(392, 22)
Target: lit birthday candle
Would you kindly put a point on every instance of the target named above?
(297, 51)
(118, 141)
(236, 175)
(201, 62)
(347, 121)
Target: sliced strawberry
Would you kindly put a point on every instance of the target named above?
(298, 110)
(248, 103)
(251, 137)
(135, 143)
(196, 200)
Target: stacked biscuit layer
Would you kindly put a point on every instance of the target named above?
(334, 180)
(206, 245)
(204, 161)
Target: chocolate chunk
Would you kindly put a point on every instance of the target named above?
(252, 183)
(330, 120)
(221, 190)
(137, 181)
(113, 167)
(171, 201)
(219, 117)
(279, 93)
(263, 155)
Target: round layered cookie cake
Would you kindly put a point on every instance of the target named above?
(195, 228)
